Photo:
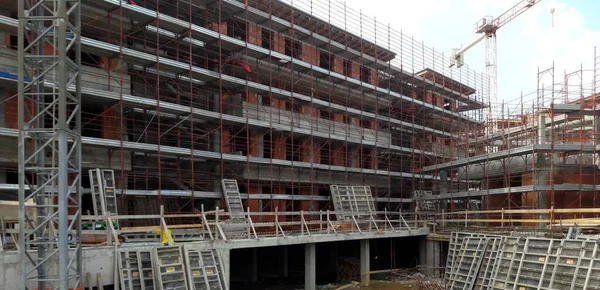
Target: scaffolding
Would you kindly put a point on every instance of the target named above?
(541, 154)
(288, 99)
(49, 146)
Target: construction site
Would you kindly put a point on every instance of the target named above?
(270, 144)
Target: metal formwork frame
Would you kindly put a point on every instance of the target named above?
(49, 146)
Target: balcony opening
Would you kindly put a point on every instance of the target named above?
(266, 36)
(347, 67)
(326, 60)
(293, 48)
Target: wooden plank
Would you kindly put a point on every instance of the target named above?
(149, 228)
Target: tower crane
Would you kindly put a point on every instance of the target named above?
(486, 27)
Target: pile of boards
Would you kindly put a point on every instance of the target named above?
(480, 261)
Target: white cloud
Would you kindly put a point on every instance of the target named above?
(525, 44)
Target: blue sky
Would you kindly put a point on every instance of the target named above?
(529, 42)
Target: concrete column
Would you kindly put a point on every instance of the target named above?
(283, 270)
(254, 265)
(541, 175)
(429, 256)
(226, 267)
(333, 258)
(443, 189)
(365, 263)
(310, 267)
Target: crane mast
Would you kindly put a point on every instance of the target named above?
(486, 27)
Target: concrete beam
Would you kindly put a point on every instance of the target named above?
(315, 238)
(310, 267)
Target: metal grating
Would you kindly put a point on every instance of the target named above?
(352, 201)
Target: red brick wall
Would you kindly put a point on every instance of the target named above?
(253, 203)
(279, 148)
(310, 54)
(251, 98)
(338, 65)
(428, 98)
(222, 28)
(306, 110)
(254, 34)
(338, 155)
(355, 72)
(306, 148)
(374, 77)
(253, 149)
(439, 101)
(225, 141)
(111, 124)
(278, 43)
(275, 103)
(11, 110)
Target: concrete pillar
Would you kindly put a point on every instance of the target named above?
(226, 267)
(283, 270)
(541, 176)
(443, 187)
(254, 265)
(310, 267)
(365, 263)
(429, 256)
(333, 258)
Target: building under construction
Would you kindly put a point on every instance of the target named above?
(212, 144)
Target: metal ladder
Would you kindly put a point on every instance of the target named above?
(136, 271)
(104, 197)
(170, 268)
(204, 269)
(231, 193)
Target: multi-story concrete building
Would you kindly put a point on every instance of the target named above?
(178, 95)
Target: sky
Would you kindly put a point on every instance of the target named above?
(536, 39)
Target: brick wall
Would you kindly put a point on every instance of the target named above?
(220, 28)
(11, 108)
(254, 34)
(310, 54)
(374, 77)
(355, 71)
(111, 126)
(278, 43)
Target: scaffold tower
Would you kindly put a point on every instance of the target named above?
(49, 146)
